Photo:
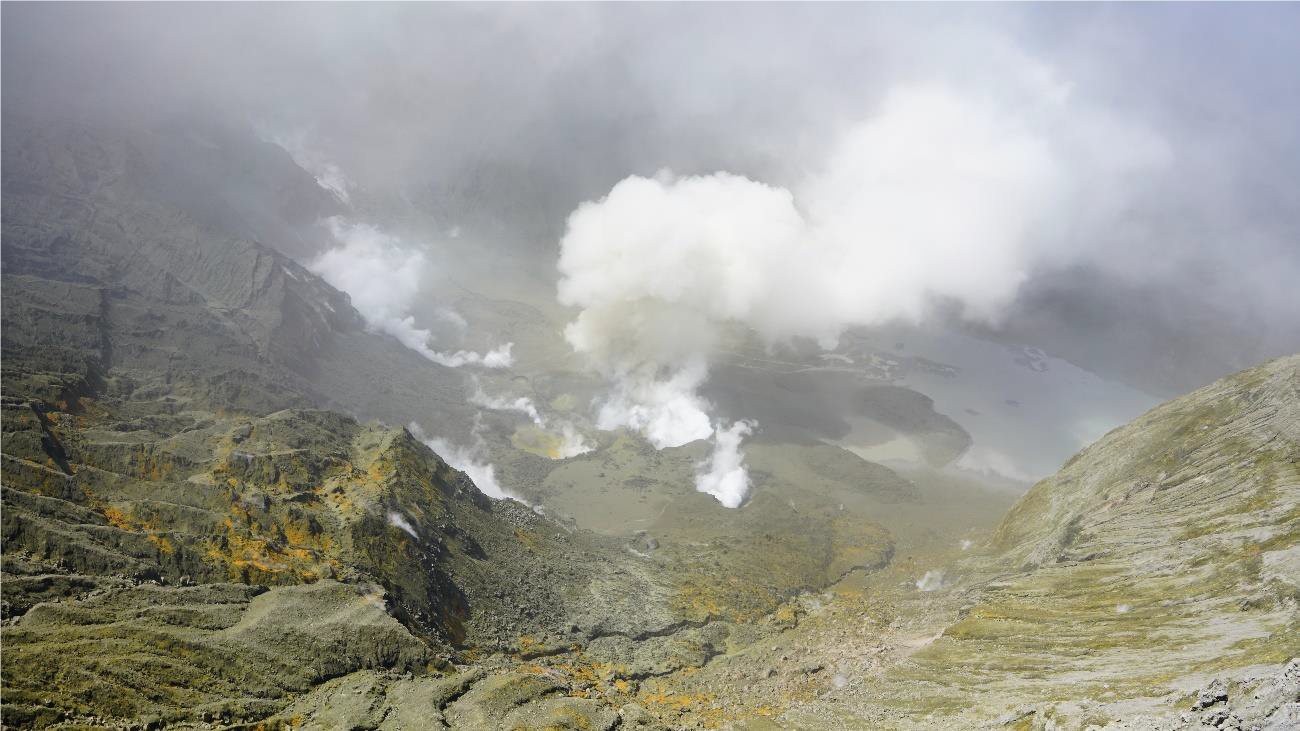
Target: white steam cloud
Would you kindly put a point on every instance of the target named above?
(723, 474)
(399, 521)
(469, 460)
(941, 197)
(992, 463)
(328, 174)
(572, 442)
(933, 580)
(383, 279)
(668, 412)
(521, 404)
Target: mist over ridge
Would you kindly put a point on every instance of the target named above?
(436, 118)
(996, 173)
(645, 367)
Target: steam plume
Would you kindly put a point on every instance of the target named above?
(383, 279)
(468, 460)
(941, 197)
(571, 442)
(521, 404)
(723, 474)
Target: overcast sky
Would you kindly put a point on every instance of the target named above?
(536, 108)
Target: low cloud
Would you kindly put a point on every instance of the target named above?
(328, 174)
(943, 197)
(1195, 280)
(383, 278)
(992, 463)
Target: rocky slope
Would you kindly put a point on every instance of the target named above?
(201, 528)
(1151, 583)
